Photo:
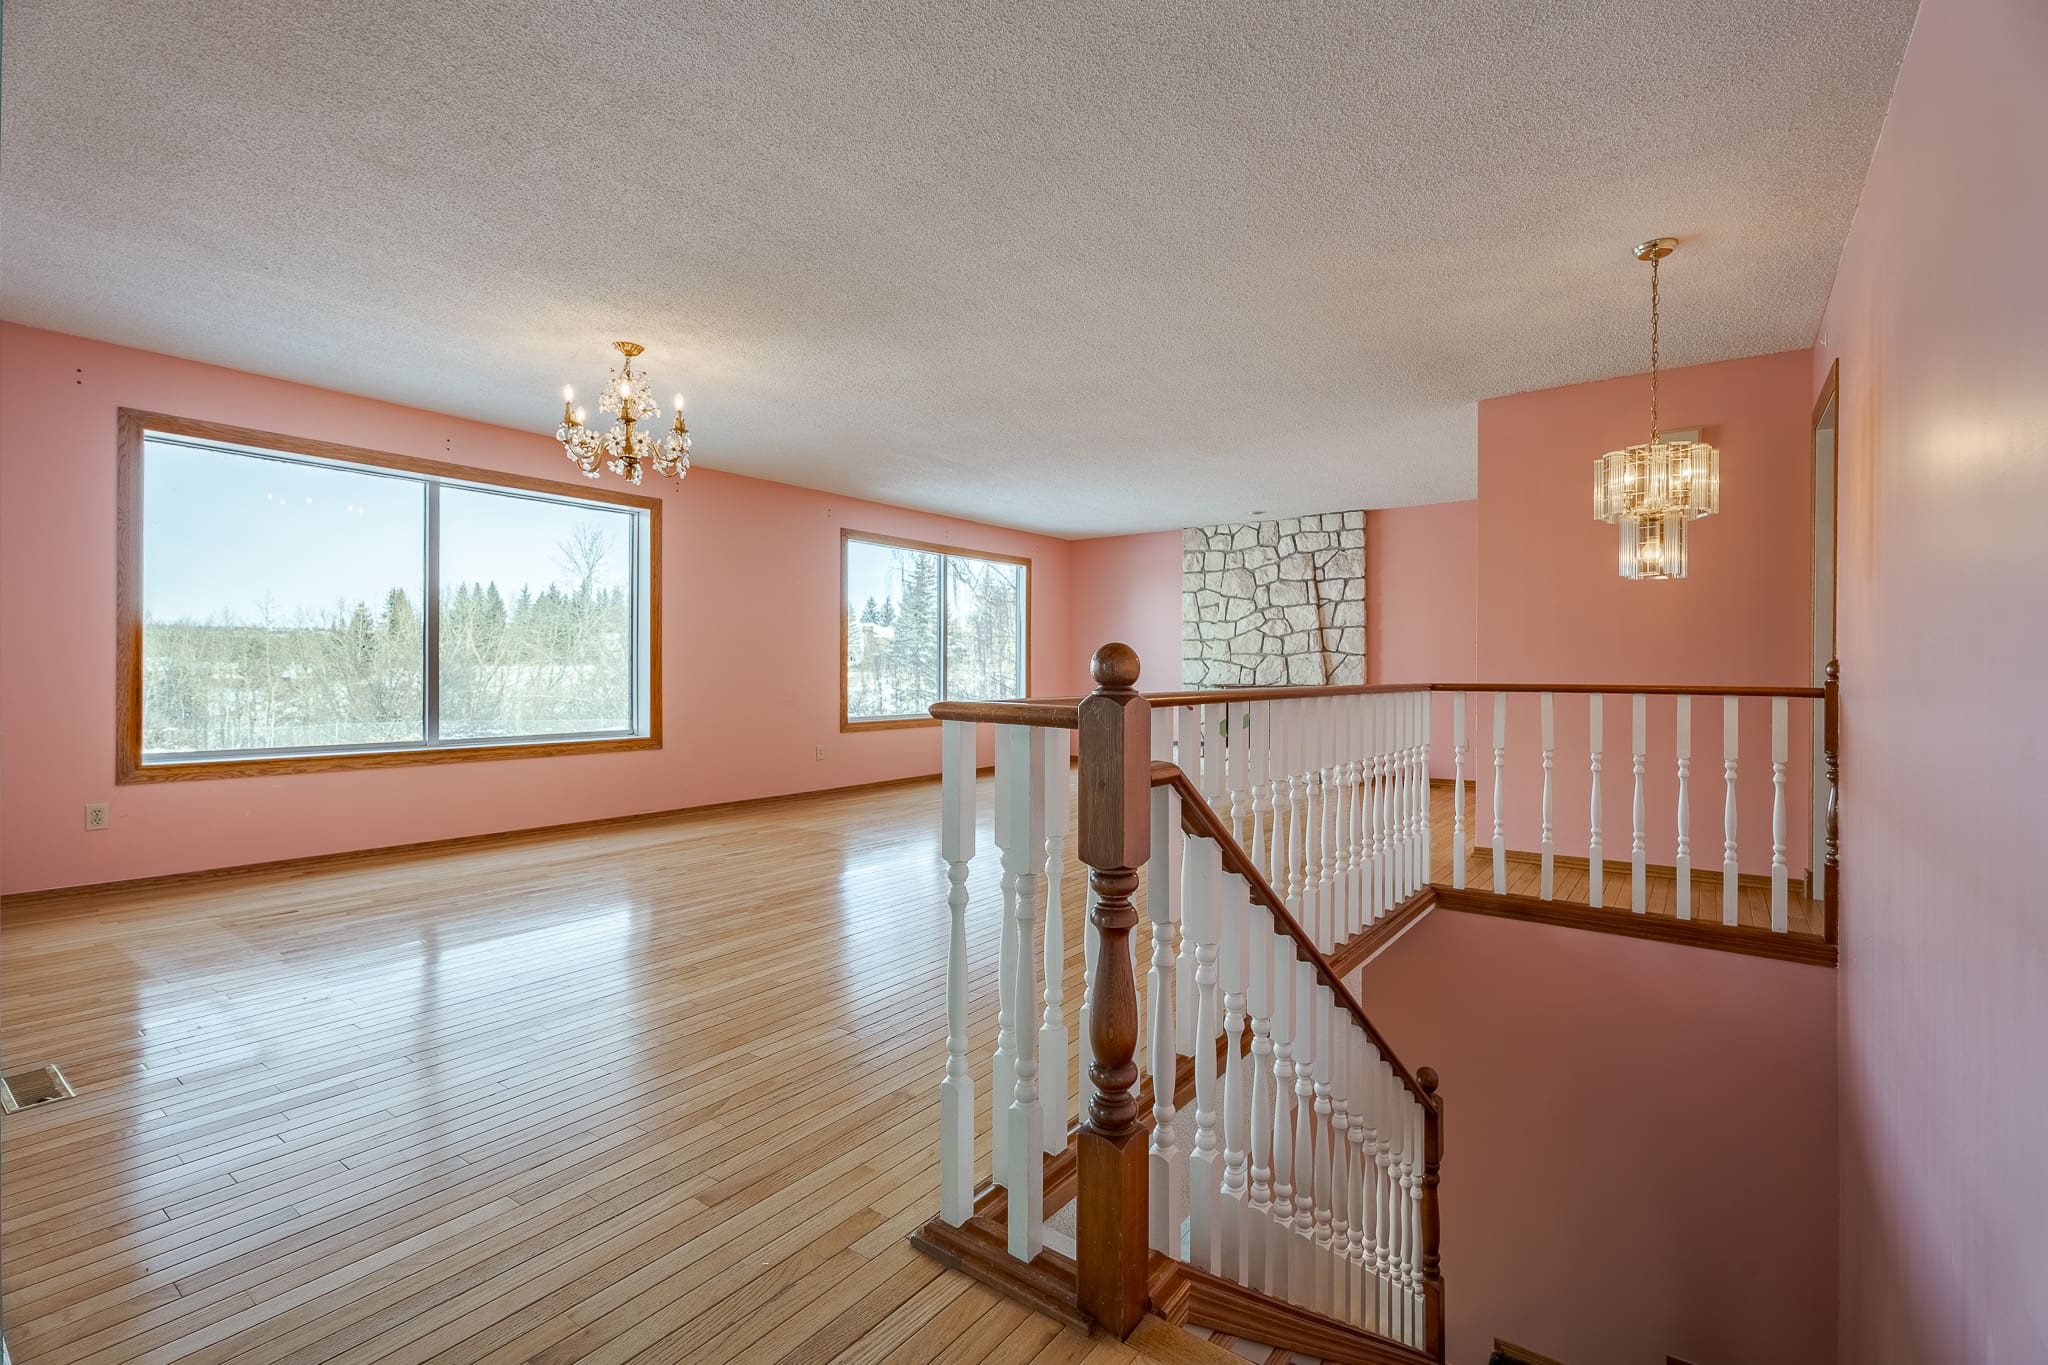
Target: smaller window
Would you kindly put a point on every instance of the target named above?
(925, 624)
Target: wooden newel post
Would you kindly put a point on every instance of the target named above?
(1116, 837)
(1432, 1218)
(1831, 743)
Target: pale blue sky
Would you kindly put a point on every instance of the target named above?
(223, 532)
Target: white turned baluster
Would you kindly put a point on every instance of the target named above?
(1261, 797)
(1202, 891)
(956, 1091)
(1500, 836)
(1166, 1160)
(1413, 1182)
(1549, 844)
(1002, 1086)
(1361, 811)
(1731, 870)
(1375, 806)
(1638, 876)
(1326, 886)
(1682, 868)
(1349, 922)
(1596, 867)
(1280, 1231)
(1259, 1192)
(1403, 795)
(1237, 1100)
(1026, 770)
(1275, 715)
(1425, 825)
(1297, 805)
(1301, 1267)
(1162, 914)
(1310, 912)
(1458, 852)
(1384, 1147)
(1418, 720)
(1363, 1299)
(1195, 752)
(1337, 1256)
(1230, 743)
(1323, 1296)
(1053, 1038)
(1781, 910)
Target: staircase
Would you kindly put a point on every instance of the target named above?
(1251, 1161)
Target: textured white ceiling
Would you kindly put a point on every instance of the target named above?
(1076, 267)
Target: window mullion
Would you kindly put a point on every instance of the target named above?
(430, 666)
(945, 586)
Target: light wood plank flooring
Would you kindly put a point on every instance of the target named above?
(664, 1093)
(661, 1093)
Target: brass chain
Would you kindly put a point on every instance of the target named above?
(1653, 347)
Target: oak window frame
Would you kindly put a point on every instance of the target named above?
(130, 767)
(849, 724)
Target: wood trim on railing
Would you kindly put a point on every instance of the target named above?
(1185, 1293)
(1831, 744)
(1198, 818)
(1624, 689)
(1052, 713)
(1212, 696)
(1432, 1218)
(1112, 1215)
(1690, 933)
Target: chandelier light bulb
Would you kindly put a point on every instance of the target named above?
(580, 412)
(568, 393)
(679, 405)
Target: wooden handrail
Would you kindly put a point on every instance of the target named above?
(1625, 689)
(1199, 818)
(1051, 713)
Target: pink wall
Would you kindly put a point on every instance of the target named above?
(1639, 1141)
(1944, 596)
(1125, 588)
(1551, 607)
(1422, 604)
(750, 611)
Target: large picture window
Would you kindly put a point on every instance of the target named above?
(924, 623)
(289, 605)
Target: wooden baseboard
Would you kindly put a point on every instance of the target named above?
(1360, 949)
(1688, 933)
(28, 902)
(1225, 1306)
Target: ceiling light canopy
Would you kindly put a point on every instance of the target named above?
(625, 450)
(1651, 491)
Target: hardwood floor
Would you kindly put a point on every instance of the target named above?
(660, 1093)
(666, 1093)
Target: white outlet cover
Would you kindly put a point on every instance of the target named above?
(97, 815)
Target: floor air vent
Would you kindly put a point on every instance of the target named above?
(40, 1086)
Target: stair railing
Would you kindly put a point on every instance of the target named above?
(1313, 1175)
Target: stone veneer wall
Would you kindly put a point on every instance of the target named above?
(1249, 594)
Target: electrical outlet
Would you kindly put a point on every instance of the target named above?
(819, 753)
(96, 816)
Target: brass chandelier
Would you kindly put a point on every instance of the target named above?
(627, 449)
(1651, 491)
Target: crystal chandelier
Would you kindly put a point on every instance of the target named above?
(626, 449)
(1652, 490)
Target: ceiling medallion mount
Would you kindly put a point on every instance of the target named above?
(1651, 491)
(626, 449)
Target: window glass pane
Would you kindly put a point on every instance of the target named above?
(984, 629)
(281, 603)
(537, 616)
(892, 631)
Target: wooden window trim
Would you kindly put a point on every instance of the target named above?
(848, 725)
(128, 765)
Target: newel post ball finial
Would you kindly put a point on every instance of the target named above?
(1426, 1078)
(1115, 667)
